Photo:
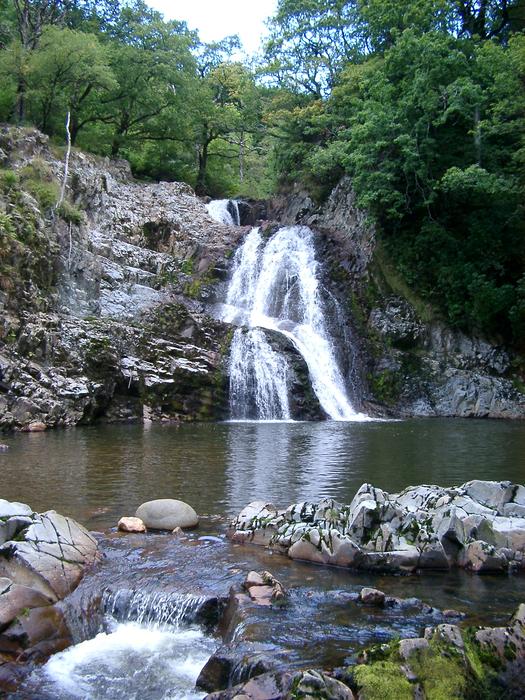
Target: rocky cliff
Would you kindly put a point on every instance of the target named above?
(411, 363)
(101, 300)
(105, 303)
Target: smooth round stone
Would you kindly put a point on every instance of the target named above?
(167, 514)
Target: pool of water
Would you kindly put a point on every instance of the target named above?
(98, 474)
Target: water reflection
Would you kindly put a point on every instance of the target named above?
(97, 474)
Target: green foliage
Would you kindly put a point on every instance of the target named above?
(70, 213)
(431, 132)
(8, 180)
(46, 193)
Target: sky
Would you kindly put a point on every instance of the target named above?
(215, 19)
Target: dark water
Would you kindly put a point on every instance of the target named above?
(101, 473)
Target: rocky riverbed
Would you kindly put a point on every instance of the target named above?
(200, 588)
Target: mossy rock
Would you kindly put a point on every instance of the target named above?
(382, 680)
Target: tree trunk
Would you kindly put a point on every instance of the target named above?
(241, 157)
(200, 187)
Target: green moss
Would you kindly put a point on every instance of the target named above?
(386, 386)
(441, 673)
(194, 288)
(382, 680)
(389, 280)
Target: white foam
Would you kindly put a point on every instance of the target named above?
(131, 661)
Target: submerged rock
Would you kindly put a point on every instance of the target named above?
(263, 588)
(422, 527)
(167, 514)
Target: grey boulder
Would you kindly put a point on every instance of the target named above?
(167, 514)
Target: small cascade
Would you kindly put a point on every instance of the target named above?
(156, 609)
(225, 211)
(146, 646)
(275, 287)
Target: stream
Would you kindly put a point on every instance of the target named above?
(134, 616)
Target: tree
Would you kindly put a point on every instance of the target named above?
(224, 109)
(68, 72)
(310, 42)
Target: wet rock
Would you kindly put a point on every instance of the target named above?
(423, 527)
(130, 524)
(35, 427)
(263, 588)
(16, 599)
(41, 632)
(4, 448)
(233, 664)
(287, 685)
(167, 514)
(372, 596)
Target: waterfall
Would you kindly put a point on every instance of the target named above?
(225, 211)
(275, 287)
(258, 378)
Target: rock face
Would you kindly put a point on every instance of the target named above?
(167, 514)
(102, 315)
(479, 526)
(104, 307)
(42, 559)
(415, 364)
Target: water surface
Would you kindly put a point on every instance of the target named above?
(98, 474)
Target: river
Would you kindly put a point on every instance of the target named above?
(98, 474)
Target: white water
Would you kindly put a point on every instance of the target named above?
(258, 378)
(131, 661)
(276, 287)
(147, 650)
(225, 211)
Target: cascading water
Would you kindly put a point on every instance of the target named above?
(225, 211)
(275, 286)
(146, 647)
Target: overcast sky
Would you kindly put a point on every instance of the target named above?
(216, 19)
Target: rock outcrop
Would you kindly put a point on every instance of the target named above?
(479, 526)
(414, 364)
(101, 304)
(43, 557)
(448, 661)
